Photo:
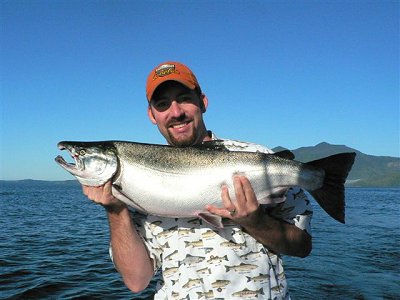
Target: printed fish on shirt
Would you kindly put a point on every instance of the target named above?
(241, 268)
(246, 293)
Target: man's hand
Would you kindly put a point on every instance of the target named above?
(245, 210)
(277, 235)
(103, 195)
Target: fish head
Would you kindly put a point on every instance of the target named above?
(95, 163)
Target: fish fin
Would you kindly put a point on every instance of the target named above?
(331, 196)
(287, 154)
(273, 198)
(212, 219)
(119, 194)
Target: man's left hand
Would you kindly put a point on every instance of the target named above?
(245, 210)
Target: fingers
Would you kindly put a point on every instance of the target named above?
(239, 193)
(85, 189)
(108, 188)
(246, 201)
(226, 202)
(100, 194)
(92, 192)
(244, 204)
(226, 199)
(248, 196)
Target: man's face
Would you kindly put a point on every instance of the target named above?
(178, 113)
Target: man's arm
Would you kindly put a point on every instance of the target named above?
(129, 253)
(277, 235)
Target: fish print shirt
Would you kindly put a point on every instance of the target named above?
(199, 261)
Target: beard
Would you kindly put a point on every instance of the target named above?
(182, 142)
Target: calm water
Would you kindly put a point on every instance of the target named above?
(54, 245)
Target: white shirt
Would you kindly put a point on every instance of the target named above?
(200, 261)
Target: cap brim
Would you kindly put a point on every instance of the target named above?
(186, 83)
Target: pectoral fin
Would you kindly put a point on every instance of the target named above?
(212, 219)
(119, 194)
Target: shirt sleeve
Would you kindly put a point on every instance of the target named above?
(146, 232)
(296, 209)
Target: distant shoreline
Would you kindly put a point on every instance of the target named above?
(68, 181)
(351, 184)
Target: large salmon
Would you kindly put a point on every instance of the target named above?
(180, 182)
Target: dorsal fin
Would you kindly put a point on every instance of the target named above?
(221, 145)
(211, 145)
(287, 154)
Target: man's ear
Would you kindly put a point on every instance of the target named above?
(205, 103)
(151, 115)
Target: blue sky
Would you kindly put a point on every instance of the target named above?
(278, 73)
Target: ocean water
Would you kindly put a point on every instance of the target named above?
(54, 245)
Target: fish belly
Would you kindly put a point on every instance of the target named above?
(177, 194)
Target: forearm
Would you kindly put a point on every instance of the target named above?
(129, 252)
(279, 236)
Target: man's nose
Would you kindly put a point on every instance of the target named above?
(176, 109)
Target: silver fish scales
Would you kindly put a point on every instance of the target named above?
(180, 182)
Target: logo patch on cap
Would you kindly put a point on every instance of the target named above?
(165, 70)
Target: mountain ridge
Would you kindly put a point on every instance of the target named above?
(368, 170)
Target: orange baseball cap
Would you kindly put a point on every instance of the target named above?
(170, 71)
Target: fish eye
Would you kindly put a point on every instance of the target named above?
(82, 152)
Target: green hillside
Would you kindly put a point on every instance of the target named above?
(368, 170)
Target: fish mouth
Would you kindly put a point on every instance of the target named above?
(76, 166)
(61, 161)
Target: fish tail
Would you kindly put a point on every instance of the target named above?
(331, 195)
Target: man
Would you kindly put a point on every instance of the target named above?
(241, 260)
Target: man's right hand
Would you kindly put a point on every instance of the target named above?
(103, 195)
